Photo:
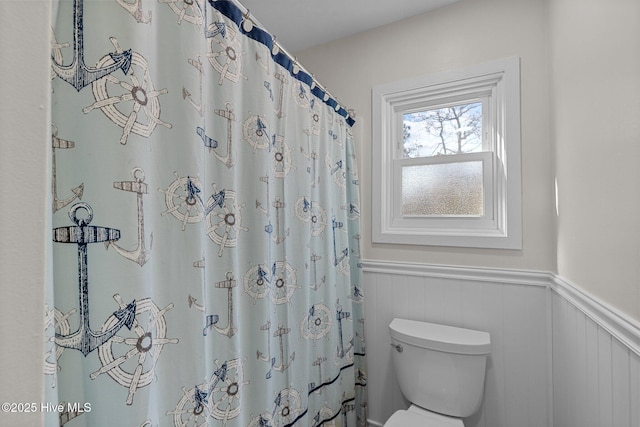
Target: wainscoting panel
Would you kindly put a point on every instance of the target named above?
(596, 362)
(511, 306)
(559, 356)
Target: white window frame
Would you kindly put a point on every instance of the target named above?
(497, 85)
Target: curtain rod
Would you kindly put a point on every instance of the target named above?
(251, 27)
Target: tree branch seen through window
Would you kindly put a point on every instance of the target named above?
(454, 129)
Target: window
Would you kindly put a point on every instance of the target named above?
(447, 158)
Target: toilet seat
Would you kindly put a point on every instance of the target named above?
(418, 417)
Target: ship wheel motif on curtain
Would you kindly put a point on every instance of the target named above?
(279, 281)
(317, 323)
(224, 219)
(183, 200)
(287, 406)
(135, 368)
(188, 412)
(256, 131)
(218, 398)
(132, 102)
(187, 10)
(311, 212)
(225, 53)
(54, 318)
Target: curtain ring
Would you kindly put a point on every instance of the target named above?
(296, 68)
(313, 81)
(247, 23)
(275, 49)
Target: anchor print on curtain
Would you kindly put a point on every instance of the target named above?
(205, 233)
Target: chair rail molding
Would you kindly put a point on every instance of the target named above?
(619, 325)
(480, 274)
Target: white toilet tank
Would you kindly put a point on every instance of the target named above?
(440, 368)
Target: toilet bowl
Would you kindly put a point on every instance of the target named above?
(440, 370)
(418, 417)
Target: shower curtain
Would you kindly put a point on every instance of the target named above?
(205, 242)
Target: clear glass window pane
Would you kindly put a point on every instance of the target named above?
(449, 130)
(451, 189)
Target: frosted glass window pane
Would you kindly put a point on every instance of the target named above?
(450, 130)
(452, 189)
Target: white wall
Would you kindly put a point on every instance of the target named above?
(25, 140)
(465, 33)
(595, 59)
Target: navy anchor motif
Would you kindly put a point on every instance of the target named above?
(78, 74)
(85, 339)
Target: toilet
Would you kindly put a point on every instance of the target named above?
(441, 371)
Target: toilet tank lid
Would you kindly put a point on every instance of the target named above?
(449, 339)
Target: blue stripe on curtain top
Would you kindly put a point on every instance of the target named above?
(233, 12)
